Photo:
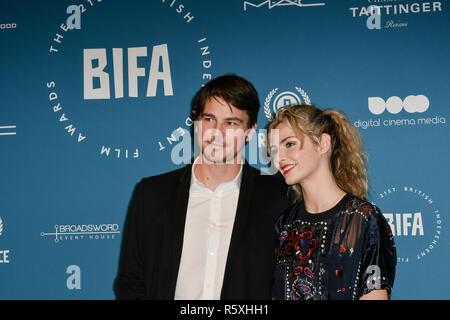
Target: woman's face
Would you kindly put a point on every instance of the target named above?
(296, 162)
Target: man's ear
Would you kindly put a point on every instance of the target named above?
(325, 143)
(250, 133)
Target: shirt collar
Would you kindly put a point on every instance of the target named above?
(199, 187)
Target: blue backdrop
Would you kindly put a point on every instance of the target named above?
(96, 95)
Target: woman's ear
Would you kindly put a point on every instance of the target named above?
(325, 143)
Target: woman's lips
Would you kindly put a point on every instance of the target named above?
(287, 168)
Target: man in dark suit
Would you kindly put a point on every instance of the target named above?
(206, 231)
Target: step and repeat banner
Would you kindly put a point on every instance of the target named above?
(96, 95)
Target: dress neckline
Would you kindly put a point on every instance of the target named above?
(321, 216)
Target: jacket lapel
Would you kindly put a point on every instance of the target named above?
(241, 222)
(177, 219)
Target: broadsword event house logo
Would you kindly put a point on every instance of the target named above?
(118, 90)
(275, 100)
(69, 232)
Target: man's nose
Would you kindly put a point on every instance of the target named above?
(219, 129)
(215, 134)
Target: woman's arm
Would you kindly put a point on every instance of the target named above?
(375, 295)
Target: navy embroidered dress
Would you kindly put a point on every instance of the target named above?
(343, 253)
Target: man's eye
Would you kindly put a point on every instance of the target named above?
(231, 123)
(208, 119)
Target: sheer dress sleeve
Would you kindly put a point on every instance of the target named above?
(379, 258)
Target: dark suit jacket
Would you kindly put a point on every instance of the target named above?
(153, 237)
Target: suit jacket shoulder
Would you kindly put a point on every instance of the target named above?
(163, 190)
(166, 180)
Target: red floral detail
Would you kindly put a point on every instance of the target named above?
(312, 242)
(297, 271)
(308, 272)
(303, 289)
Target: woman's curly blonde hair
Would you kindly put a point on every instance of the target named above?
(348, 159)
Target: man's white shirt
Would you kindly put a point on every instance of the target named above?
(207, 234)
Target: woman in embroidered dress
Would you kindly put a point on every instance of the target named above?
(331, 243)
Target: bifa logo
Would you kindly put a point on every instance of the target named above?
(405, 224)
(127, 75)
(414, 219)
(411, 104)
(95, 62)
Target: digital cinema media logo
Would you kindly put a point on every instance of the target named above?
(395, 111)
(8, 26)
(69, 232)
(117, 91)
(414, 218)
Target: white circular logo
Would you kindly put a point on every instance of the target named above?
(114, 90)
(411, 104)
(415, 221)
(286, 98)
(283, 99)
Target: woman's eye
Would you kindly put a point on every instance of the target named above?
(290, 144)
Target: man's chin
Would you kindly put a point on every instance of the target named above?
(208, 159)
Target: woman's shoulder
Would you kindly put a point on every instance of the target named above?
(362, 208)
(287, 215)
